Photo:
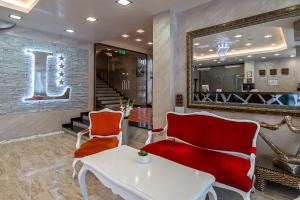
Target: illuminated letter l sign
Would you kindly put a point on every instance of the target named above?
(40, 78)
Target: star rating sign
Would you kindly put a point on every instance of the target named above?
(61, 58)
(61, 74)
(61, 82)
(61, 68)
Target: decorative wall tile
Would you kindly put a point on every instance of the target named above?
(16, 75)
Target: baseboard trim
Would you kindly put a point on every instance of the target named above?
(30, 137)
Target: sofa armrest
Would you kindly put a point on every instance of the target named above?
(250, 173)
(79, 135)
(150, 134)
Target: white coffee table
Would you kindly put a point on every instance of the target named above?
(160, 179)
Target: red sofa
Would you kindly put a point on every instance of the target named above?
(222, 147)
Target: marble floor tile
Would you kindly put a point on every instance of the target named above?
(40, 169)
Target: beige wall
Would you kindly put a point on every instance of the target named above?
(20, 125)
(212, 13)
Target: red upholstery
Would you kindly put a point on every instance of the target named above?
(96, 145)
(105, 123)
(212, 132)
(228, 169)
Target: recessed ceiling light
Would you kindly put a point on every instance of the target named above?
(248, 44)
(138, 39)
(215, 60)
(219, 62)
(91, 19)
(238, 36)
(150, 43)
(273, 44)
(293, 56)
(125, 36)
(211, 50)
(249, 56)
(70, 31)
(140, 31)
(277, 54)
(200, 64)
(15, 17)
(268, 36)
(124, 2)
(263, 57)
(196, 44)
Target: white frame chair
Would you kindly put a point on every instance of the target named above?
(251, 157)
(81, 133)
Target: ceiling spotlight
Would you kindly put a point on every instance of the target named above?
(70, 31)
(238, 36)
(150, 43)
(276, 54)
(211, 50)
(215, 60)
(219, 62)
(138, 39)
(196, 44)
(125, 36)
(140, 31)
(293, 56)
(268, 36)
(15, 17)
(91, 19)
(124, 2)
(249, 56)
(248, 44)
(263, 57)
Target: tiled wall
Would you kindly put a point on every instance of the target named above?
(16, 75)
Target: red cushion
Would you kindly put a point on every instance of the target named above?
(96, 145)
(105, 123)
(229, 170)
(212, 132)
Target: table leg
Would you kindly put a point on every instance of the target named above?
(212, 194)
(82, 182)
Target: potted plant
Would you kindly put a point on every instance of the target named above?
(126, 107)
(143, 157)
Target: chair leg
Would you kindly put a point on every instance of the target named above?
(74, 166)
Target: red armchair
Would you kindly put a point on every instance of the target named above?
(104, 133)
(220, 146)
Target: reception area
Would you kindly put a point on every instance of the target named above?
(150, 100)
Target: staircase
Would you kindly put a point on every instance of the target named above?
(107, 96)
(77, 124)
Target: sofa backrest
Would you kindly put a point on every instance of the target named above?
(210, 131)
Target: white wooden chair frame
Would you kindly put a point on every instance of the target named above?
(91, 136)
(250, 174)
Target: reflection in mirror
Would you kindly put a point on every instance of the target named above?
(253, 65)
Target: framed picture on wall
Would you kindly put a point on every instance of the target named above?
(285, 71)
(273, 72)
(262, 72)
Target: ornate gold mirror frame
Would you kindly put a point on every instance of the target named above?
(292, 11)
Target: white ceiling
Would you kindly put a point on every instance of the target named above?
(53, 16)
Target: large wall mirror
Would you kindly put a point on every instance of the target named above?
(249, 65)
